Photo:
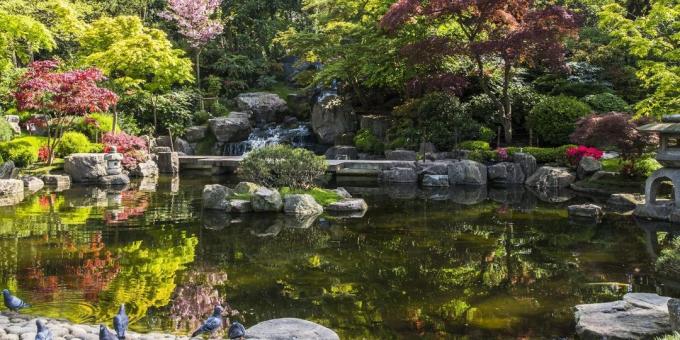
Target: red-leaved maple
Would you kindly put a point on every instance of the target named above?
(61, 96)
(496, 36)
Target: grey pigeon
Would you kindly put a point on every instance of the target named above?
(43, 333)
(105, 334)
(212, 324)
(120, 322)
(236, 331)
(12, 302)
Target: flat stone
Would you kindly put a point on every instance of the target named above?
(400, 175)
(400, 155)
(432, 168)
(57, 181)
(348, 205)
(436, 180)
(587, 211)
(290, 328)
(624, 202)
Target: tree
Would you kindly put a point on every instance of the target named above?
(61, 96)
(494, 36)
(20, 37)
(194, 22)
(654, 39)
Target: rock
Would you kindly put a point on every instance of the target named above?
(427, 147)
(588, 166)
(216, 197)
(145, 169)
(266, 200)
(342, 192)
(85, 167)
(290, 328)
(432, 168)
(399, 175)
(168, 162)
(331, 117)
(7, 170)
(114, 180)
(436, 180)
(674, 314)
(14, 121)
(159, 149)
(585, 211)
(342, 152)
(246, 188)
(183, 146)
(624, 202)
(346, 138)
(194, 134)
(348, 205)
(301, 205)
(467, 172)
(637, 316)
(525, 161)
(11, 187)
(240, 206)
(32, 183)
(550, 178)
(265, 107)
(506, 173)
(234, 128)
(400, 155)
(377, 125)
(60, 182)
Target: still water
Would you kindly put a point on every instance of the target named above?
(447, 264)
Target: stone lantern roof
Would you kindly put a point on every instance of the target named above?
(668, 125)
(669, 133)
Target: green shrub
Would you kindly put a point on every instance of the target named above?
(545, 155)
(280, 166)
(23, 151)
(322, 196)
(554, 118)
(645, 166)
(668, 263)
(474, 145)
(6, 131)
(94, 125)
(73, 142)
(606, 102)
(366, 141)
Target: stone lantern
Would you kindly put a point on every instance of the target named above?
(113, 162)
(669, 156)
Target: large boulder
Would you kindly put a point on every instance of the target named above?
(588, 166)
(400, 155)
(301, 205)
(85, 167)
(240, 206)
(145, 169)
(331, 117)
(266, 200)
(7, 170)
(265, 107)
(348, 205)
(399, 175)
(11, 187)
(467, 172)
(525, 161)
(290, 328)
(377, 125)
(585, 211)
(57, 182)
(549, 177)
(216, 197)
(432, 168)
(168, 162)
(506, 173)
(183, 146)
(14, 121)
(234, 128)
(246, 188)
(32, 183)
(194, 134)
(637, 316)
(624, 202)
(674, 314)
(342, 152)
(436, 180)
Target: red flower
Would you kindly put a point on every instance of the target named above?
(575, 154)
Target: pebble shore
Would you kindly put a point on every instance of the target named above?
(22, 327)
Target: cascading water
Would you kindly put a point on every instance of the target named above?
(300, 137)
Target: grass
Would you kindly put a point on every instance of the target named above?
(674, 336)
(612, 164)
(322, 196)
(42, 168)
(242, 196)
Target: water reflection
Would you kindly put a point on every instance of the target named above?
(477, 262)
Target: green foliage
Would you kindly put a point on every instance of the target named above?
(73, 142)
(94, 125)
(523, 98)
(554, 118)
(475, 145)
(545, 155)
(645, 166)
(173, 109)
(322, 196)
(283, 166)
(606, 102)
(23, 151)
(365, 141)
(20, 37)
(668, 264)
(6, 131)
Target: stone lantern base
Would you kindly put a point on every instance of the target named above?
(661, 209)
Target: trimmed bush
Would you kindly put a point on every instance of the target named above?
(280, 166)
(474, 145)
(606, 102)
(73, 142)
(6, 131)
(669, 262)
(365, 141)
(554, 118)
(545, 155)
(22, 151)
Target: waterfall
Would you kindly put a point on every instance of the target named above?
(299, 137)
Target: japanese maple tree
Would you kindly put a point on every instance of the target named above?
(61, 96)
(494, 36)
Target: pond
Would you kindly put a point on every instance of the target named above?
(419, 263)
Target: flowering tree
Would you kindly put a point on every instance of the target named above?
(61, 96)
(194, 22)
(495, 36)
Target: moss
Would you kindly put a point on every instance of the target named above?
(322, 196)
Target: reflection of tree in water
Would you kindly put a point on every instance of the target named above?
(133, 203)
(195, 298)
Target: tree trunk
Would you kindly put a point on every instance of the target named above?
(506, 118)
(115, 120)
(198, 78)
(155, 117)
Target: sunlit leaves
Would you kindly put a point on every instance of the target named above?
(20, 37)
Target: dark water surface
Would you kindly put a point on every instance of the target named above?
(429, 264)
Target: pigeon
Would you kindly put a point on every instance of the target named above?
(105, 334)
(236, 331)
(120, 322)
(43, 333)
(212, 323)
(12, 302)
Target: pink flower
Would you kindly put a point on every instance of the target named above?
(575, 154)
(133, 148)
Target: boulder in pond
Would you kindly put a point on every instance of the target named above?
(401, 155)
(436, 180)
(7, 170)
(11, 187)
(59, 182)
(145, 169)
(301, 205)
(265, 107)
(348, 205)
(290, 328)
(331, 117)
(549, 177)
(168, 162)
(342, 192)
(525, 161)
(195, 134)
(467, 172)
(85, 167)
(399, 175)
(246, 188)
(234, 128)
(114, 180)
(432, 168)
(240, 206)
(585, 211)
(216, 197)
(588, 166)
(32, 183)
(266, 200)
(624, 202)
(674, 314)
(342, 152)
(506, 173)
